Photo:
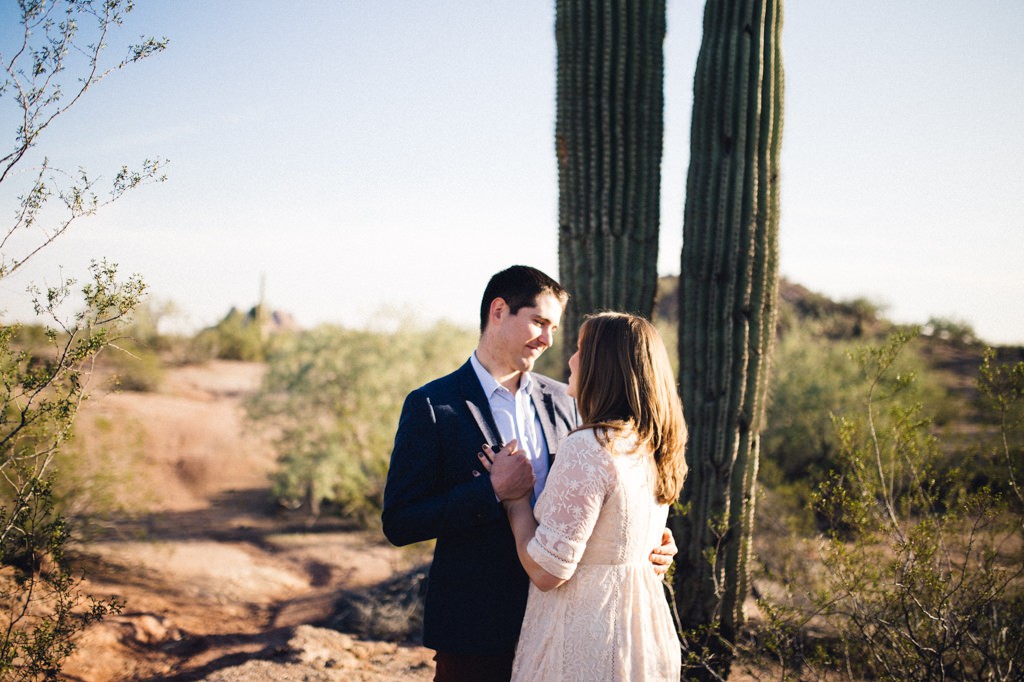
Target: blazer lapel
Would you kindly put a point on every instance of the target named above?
(476, 403)
(545, 405)
(485, 422)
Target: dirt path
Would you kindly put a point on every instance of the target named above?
(218, 584)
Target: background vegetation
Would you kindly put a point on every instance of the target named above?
(331, 397)
(52, 56)
(889, 545)
(889, 538)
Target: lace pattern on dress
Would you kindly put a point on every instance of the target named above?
(598, 521)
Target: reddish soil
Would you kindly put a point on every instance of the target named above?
(218, 583)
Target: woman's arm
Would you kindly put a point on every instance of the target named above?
(524, 526)
(520, 518)
(577, 483)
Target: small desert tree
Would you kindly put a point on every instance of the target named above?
(48, 65)
(41, 606)
(1002, 387)
(922, 574)
(333, 396)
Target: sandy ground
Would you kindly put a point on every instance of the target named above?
(218, 583)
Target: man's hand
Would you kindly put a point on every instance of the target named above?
(512, 474)
(662, 556)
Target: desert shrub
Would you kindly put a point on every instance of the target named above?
(920, 577)
(955, 332)
(133, 366)
(238, 336)
(41, 606)
(95, 478)
(814, 382)
(811, 381)
(54, 53)
(1001, 386)
(854, 319)
(332, 397)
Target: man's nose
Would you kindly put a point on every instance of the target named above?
(547, 337)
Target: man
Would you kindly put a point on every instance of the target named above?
(437, 488)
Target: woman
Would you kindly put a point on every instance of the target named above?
(596, 609)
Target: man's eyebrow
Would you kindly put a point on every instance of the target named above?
(546, 320)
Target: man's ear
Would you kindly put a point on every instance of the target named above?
(499, 308)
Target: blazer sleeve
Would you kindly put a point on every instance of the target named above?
(427, 494)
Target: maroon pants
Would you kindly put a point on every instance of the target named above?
(456, 668)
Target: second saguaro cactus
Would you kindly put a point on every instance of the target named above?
(608, 142)
(728, 291)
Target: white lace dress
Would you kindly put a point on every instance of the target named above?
(598, 522)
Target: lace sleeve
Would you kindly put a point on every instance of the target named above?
(570, 504)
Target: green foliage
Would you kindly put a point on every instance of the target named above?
(133, 366)
(94, 471)
(40, 601)
(1002, 388)
(854, 319)
(956, 332)
(49, 66)
(51, 57)
(239, 336)
(813, 383)
(921, 578)
(332, 397)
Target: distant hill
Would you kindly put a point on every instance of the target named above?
(951, 351)
(858, 318)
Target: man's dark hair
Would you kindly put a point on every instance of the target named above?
(519, 286)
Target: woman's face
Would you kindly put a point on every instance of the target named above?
(574, 368)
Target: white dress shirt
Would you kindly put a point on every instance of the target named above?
(516, 417)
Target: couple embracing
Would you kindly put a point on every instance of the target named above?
(548, 501)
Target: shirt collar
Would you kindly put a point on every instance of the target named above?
(490, 384)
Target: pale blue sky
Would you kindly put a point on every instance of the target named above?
(367, 153)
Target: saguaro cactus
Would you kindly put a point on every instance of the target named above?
(728, 288)
(608, 140)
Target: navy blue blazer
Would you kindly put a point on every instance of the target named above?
(476, 589)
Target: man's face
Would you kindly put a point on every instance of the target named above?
(520, 339)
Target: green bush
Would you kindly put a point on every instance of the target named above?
(919, 577)
(811, 382)
(239, 336)
(132, 366)
(955, 332)
(332, 397)
(1001, 385)
(814, 383)
(42, 607)
(54, 53)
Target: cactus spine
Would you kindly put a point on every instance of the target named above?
(728, 287)
(608, 140)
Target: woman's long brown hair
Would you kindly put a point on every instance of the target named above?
(625, 384)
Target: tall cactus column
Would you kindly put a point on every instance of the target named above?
(608, 141)
(728, 288)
